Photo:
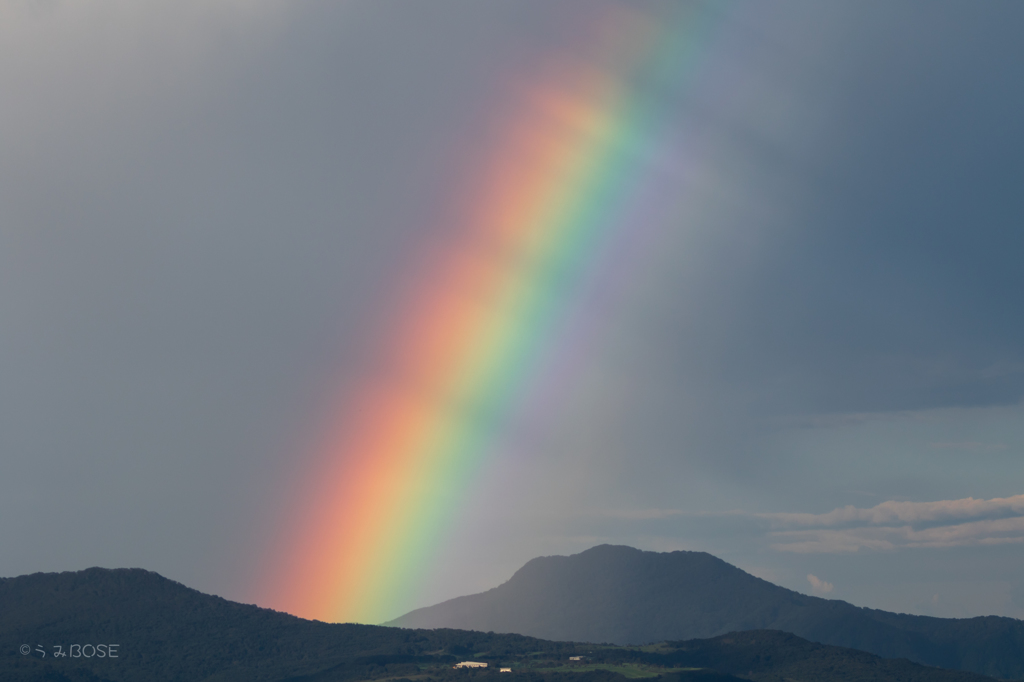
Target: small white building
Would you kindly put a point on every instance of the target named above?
(469, 664)
(505, 670)
(576, 658)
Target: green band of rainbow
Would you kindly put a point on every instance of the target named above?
(574, 150)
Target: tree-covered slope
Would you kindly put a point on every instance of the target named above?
(627, 596)
(166, 631)
(774, 656)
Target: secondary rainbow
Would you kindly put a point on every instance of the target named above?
(574, 151)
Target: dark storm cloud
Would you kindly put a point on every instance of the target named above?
(193, 248)
(892, 285)
(206, 207)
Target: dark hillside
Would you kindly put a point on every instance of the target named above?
(167, 631)
(773, 656)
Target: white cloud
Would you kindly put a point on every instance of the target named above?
(819, 586)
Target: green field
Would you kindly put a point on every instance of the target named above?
(630, 670)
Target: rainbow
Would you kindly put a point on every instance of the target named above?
(576, 151)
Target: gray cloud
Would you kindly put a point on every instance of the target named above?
(208, 204)
(1002, 531)
(890, 525)
(893, 525)
(889, 512)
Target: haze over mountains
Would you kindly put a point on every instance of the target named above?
(628, 596)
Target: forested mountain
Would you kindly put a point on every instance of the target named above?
(164, 631)
(774, 656)
(627, 596)
(168, 632)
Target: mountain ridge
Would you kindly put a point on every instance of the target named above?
(168, 632)
(623, 595)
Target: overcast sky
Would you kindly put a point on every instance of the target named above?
(207, 203)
